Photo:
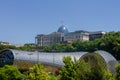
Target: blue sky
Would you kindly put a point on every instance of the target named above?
(22, 20)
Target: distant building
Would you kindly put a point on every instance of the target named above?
(63, 35)
(77, 35)
(50, 39)
(95, 35)
(4, 43)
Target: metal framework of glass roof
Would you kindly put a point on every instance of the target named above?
(52, 59)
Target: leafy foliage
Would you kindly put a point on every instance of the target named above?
(73, 70)
(53, 77)
(118, 72)
(37, 72)
(84, 70)
(108, 76)
(10, 73)
(111, 43)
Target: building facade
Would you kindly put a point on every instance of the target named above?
(4, 43)
(77, 35)
(63, 35)
(95, 35)
(50, 39)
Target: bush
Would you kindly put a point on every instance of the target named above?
(85, 70)
(118, 72)
(37, 72)
(75, 70)
(10, 73)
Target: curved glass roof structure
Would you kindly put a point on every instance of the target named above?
(51, 59)
(109, 59)
(6, 57)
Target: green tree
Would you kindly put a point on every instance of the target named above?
(37, 72)
(58, 47)
(108, 75)
(118, 72)
(87, 68)
(79, 45)
(111, 43)
(10, 73)
(70, 48)
(74, 70)
(46, 49)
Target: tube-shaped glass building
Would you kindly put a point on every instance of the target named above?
(18, 57)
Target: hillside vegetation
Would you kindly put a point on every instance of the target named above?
(110, 42)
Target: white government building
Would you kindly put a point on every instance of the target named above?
(63, 35)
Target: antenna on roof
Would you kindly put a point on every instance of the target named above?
(62, 22)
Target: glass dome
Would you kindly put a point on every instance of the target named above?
(63, 29)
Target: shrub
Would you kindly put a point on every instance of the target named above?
(37, 72)
(10, 73)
